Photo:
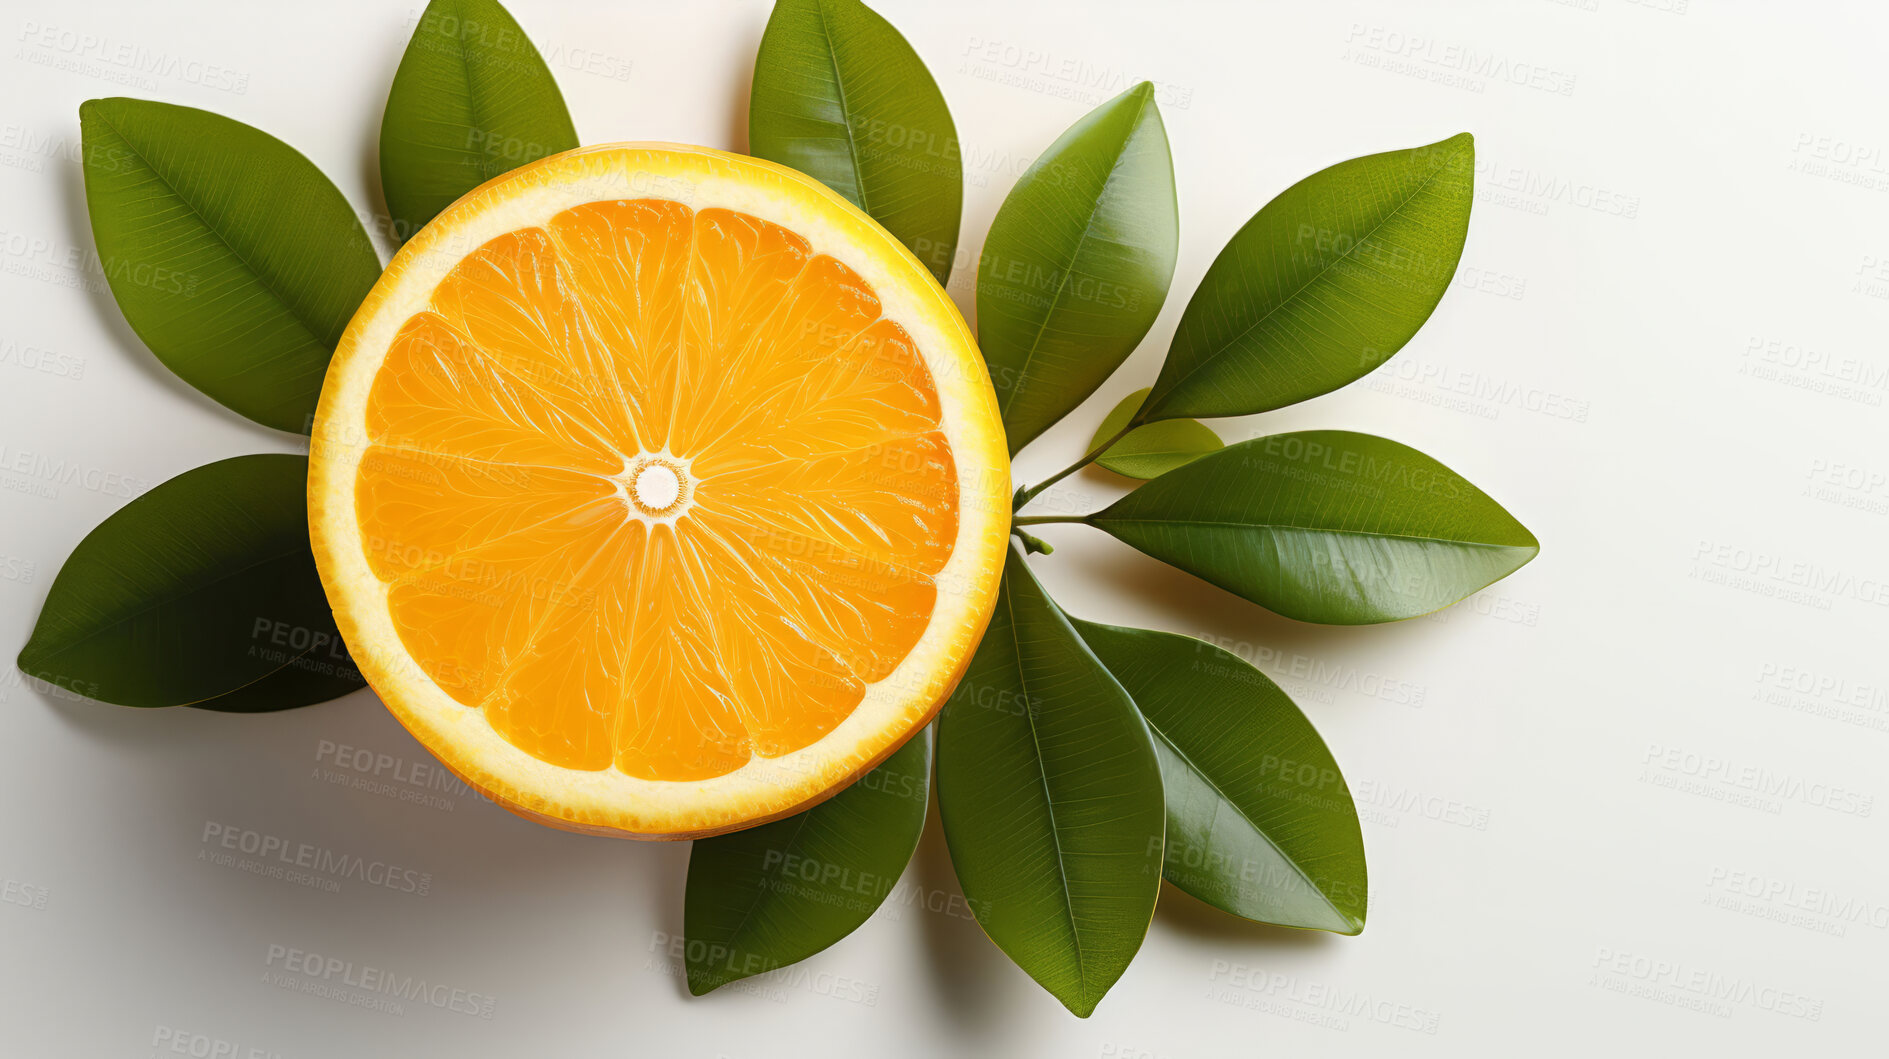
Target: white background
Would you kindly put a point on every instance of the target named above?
(1640, 778)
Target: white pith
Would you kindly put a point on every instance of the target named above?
(656, 488)
(647, 509)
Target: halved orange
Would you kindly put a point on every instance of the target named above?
(658, 491)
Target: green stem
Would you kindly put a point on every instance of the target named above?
(1044, 520)
(1024, 496)
(1033, 545)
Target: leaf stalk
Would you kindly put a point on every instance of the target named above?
(1024, 496)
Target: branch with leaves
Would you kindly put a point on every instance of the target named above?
(1077, 764)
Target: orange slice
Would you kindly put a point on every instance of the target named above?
(658, 491)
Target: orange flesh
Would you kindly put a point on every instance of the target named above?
(671, 622)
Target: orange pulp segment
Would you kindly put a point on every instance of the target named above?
(656, 488)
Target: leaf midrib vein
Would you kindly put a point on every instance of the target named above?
(1023, 370)
(846, 113)
(1250, 822)
(759, 891)
(1098, 520)
(1314, 278)
(168, 599)
(241, 259)
(479, 160)
(1049, 802)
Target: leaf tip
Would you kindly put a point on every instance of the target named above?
(30, 660)
(1529, 542)
(95, 112)
(104, 108)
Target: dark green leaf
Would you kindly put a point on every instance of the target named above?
(839, 95)
(1260, 822)
(1152, 449)
(231, 256)
(1322, 285)
(776, 894)
(1326, 526)
(202, 592)
(1077, 263)
(472, 99)
(1050, 795)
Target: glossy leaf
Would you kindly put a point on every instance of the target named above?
(1322, 285)
(1050, 795)
(1259, 820)
(776, 894)
(1152, 449)
(231, 255)
(1326, 526)
(839, 95)
(202, 592)
(472, 99)
(1077, 263)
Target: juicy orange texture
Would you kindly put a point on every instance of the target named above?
(656, 489)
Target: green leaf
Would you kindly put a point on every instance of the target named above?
(1050, 795)
(231, 256)
(1325, 526)
(1152, 449)
(472, 99)
(839, 95)
(1259, 820)
(202, 592)
(776, 894)
(1322, 285)
(1077, 263)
